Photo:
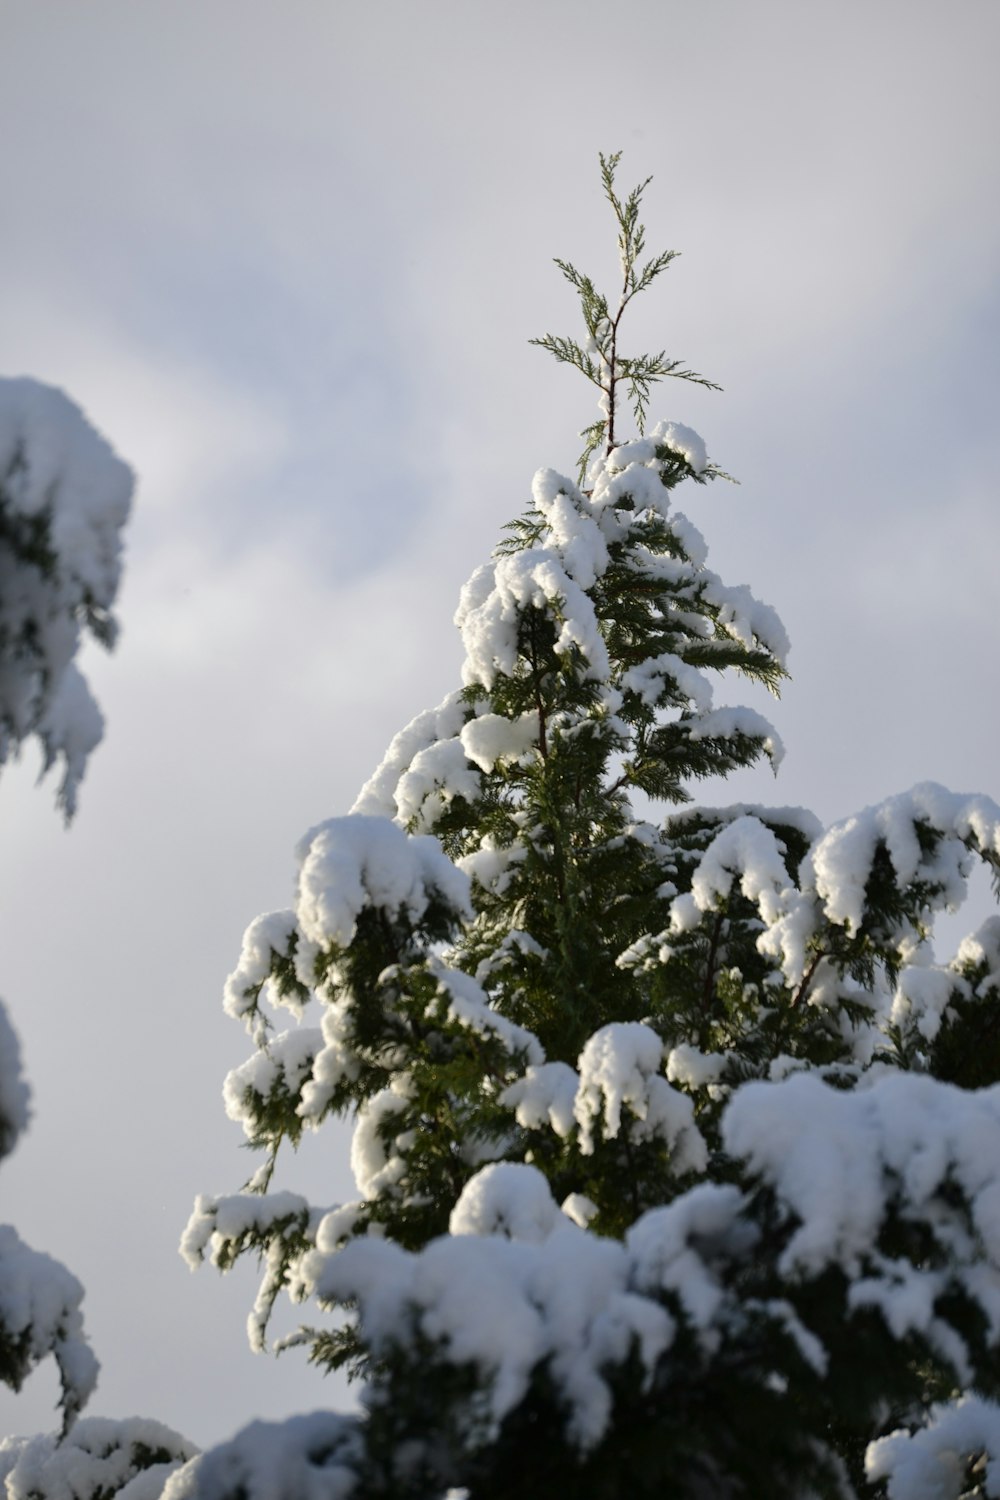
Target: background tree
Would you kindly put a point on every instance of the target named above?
(673, 1173)
(64, 500)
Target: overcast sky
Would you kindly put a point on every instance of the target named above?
(288, 256)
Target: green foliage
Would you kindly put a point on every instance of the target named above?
(598, 357)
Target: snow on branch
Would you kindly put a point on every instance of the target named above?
(507, 1198)
(268, 945)
(619, 1066)
(507, 1307)
(747, 853)
(347, 864)
(131, 1459)
(927, 833)
(277, 1071)
(316, 1456)
(491, 606)
(64, 500)
(40, 1315)
(278, 1227)
(377, 797)
(469, 1006)
(847, 1164)
(958, 1446)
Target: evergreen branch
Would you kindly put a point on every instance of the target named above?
(568, 352)
(652, 269)
(639, 372)
(693, 377)
(571, 274)
(712, 471)
(650, 367)
(593, 437)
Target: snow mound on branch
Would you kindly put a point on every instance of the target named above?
(314, 1457)
(923, 992)
(619, 1067)
(216, 1221)
(64, 500)
(576, 536)
(349, 863)
(746, 849)
(130, 1459)
(267, 936)
(493, 600)
(545, 1095)
(839, 1161)
(508, 1198)
(492, 738)
(40, 1315)
(284, 1062)
(434, 778)
(630, 473)
(982, 947)
(746, 617)
(641, 452)
(799, 818)
(376, 1156)
(650, 680)
(335, 1061)
(377, 797)
(469, 1005)
(684, 441)
(506, 1307)
(687, 1064)
(841, 863)
(727, 723)
(675, 1249)
(933, 1463)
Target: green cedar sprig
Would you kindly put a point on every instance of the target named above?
(598, 358)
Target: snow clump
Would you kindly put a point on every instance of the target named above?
(64, 500)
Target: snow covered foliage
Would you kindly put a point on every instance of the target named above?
(676, 1143)
(40, 1315)
(307, 1458)
(64, 499)
(132, 1459)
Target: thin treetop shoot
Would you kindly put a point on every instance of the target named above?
(599, 358)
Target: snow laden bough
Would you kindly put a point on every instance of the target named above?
(676, 1143)
(132, 1459)
(91, 1458)
(39, 1299)
(64, 500)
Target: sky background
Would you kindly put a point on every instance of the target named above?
(288, 256)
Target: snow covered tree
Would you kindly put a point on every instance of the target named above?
(64, 498)
(677, 1148)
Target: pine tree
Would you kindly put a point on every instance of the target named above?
(677, 1157)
